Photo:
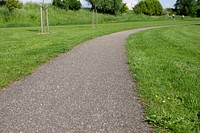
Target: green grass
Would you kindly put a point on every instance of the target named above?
(24, 49)
(165, 63)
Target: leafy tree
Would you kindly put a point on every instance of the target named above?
(106, 6)
(140, 8)
(61, 4)
(2, 2)
(198, 8)
(13, 4)
(67, 4)
(149, 7)
(74, 4)
(186, 7)
(124, 8)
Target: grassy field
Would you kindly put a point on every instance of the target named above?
(29, 15)
(24, 49)
(166, 66)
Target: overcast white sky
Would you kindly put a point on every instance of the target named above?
(130, 3)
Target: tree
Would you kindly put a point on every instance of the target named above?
(74, 4)
(13, 4)
(61, 4)
(106, 6)
(198, 8)
(140, 8)
(124, 8)
(67, 4)
(149, 7)
(186, 7)
(2, 2)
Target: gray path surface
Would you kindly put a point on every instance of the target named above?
(86, 90)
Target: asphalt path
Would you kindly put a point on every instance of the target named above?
(86, 90)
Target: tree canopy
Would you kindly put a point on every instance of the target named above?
(124, 8)
(106, 6)
(198, 8)
(2, 2)
(186, 7)
(67, 4)
(149, 7)
(11, 5)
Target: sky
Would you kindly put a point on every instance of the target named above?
(130, 3)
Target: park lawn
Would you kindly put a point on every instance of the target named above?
(24, 49)
(165, 64)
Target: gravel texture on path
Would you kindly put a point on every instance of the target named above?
(86, 90)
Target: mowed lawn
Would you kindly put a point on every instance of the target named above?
(165, 63)
(24, 49)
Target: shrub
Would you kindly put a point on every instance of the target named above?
(4, 11)
(198, 8)
(149, 7)
(2, 2)
(140, 8)
(74, 4)
(106, 6)
(13, 4)
(124, 8)
(61, 4)
(67, 4)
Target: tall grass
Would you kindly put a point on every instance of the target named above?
(29, 15)
(166, 66)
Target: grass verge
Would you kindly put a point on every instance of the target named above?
(166, 66)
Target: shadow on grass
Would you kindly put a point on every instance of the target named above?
(35, 30)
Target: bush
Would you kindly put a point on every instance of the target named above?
(61, 4)
(140, 8)
(124, 8)
(4, 11)
(198, 8)
(2, 2)
(149, 7)
(5, 14)
(13, 4)
(186, 7)
(74, 4)
(67, 4)
(106, 6)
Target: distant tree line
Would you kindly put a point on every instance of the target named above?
(188, 7)
(182, 7)
(64, 4)
(103, 6)
(147, 7)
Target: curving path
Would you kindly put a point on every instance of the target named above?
(86, 90)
